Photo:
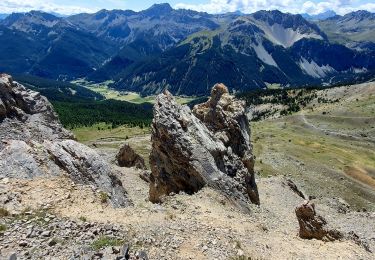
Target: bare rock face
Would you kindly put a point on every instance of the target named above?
(27, 115)
(207, 146)
(85, 166)
(127, 157)
(34, 144)
(312, 225)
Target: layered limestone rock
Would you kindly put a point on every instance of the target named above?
(207, 146)
(312, 225)
(127, 157)
(34, 144)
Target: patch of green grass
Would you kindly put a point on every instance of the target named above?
(136, 98)
(207, 34)
(103, 197)
(105, 241)
(2, 228)
(4, 212)
(104, 137)
(266, 170)
(82, 218)
(35, 216)
(102, 131)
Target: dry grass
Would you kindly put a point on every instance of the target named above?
(330, 164)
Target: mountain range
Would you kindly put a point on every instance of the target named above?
(353, 27)
(321, 16)
(188, 51)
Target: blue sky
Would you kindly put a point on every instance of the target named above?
(210, 6)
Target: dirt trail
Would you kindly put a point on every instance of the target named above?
(302, 118)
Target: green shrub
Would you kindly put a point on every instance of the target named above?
(103, 197)
(105, 241)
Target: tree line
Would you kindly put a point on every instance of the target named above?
(112, 112)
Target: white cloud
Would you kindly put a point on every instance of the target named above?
(246, 6)
(291, 6)
(10, 6)
(214, 6)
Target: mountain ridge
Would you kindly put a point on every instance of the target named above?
(141, 51)
(243, 46)
(321, 16)
(353, 27)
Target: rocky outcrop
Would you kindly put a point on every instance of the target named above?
(312, 225)
(294, 188)
(207, 146)
(85, 166)
(27, 115)
(127, 157)
(34, 144)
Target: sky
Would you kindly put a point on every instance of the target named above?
(211, 6)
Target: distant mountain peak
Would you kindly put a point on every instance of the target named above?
(321, 16)
(328, 12)
(35, 14)
(159, 9)
(162, 5)
(275, 16)
(34, 22)
(267, 13)
(286, 20)
(44, 15)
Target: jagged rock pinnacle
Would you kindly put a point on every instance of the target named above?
(207, 146)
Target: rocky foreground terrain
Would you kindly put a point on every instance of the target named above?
(63, 200)
(34, 144)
